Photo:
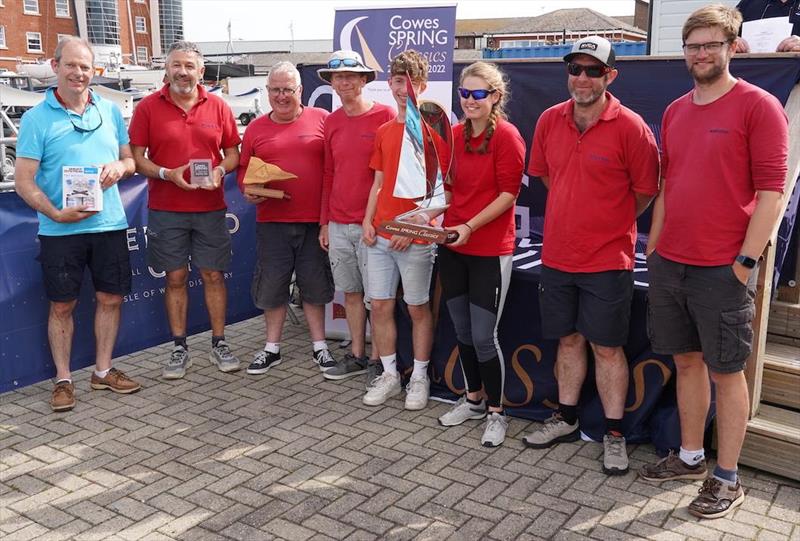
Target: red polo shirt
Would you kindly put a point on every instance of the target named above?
(174, 136)
(590, 220)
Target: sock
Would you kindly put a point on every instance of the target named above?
(420, 369)
(475, 402)
(568, 413)
(180, 342)
(728, 477)
(68, 380)
(692, 458)
(215, 340)
(389, 363)
(102, 373)
(319, 344)
(614, 427)
(272, 347)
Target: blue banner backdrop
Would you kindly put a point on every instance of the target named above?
(24, 351)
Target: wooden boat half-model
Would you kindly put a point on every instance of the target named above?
(260, 174)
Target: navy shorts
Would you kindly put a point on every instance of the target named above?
(174, 237)
(64, 259)
(595, 304)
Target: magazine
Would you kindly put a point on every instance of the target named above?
(81, 186)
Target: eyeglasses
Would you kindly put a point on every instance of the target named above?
(477, 94)
(712, 47)
(80, 129)
(346, 62)
(273, 91)
(593, 71)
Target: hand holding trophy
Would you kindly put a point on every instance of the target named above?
(427, 143)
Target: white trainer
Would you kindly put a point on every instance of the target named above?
(495, 432)
(417, 392)
(382, 389)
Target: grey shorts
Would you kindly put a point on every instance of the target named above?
(595, 304)
(283, 249)
(348, 257)
(704, 309)
(388, 267)
(175, 237)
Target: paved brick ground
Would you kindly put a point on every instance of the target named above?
(292, 456)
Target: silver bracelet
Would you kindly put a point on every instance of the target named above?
(162, 173)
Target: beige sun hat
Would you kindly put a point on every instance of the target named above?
(345, 61)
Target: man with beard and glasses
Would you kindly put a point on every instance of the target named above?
(599, 161)
(186, 221)
(724, 148)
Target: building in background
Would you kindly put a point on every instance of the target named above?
(121, 31)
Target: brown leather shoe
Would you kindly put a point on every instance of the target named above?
(115, 380)
(63, 396)
(716, 499)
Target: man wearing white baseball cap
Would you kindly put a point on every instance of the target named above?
(347, 179)
(599, 161)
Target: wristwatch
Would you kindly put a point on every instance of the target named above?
(745, 261)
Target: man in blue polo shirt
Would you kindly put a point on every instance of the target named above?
(77, 129)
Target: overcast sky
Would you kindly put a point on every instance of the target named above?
(207, 20)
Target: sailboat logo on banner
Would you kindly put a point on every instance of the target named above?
(425, 158)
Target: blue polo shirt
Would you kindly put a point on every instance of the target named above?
(47, 134)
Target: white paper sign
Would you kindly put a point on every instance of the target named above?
(763, 36)
(81, 186)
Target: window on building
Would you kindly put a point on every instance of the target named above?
(141, 55)
(3, 37)
(59, 37)
(30, 7)
(102, 22)
(62, 8)
(141, 25)
(34, 40)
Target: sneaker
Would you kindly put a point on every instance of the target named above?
(555, 430)
(716, 499)
(374, 369)
(178, 362)
(63, 398)
(463, 411)
(671, 467)
(116, 380)
(615, 455)
(263, 361)
(495, 432)
(417, 392)
(222, 356)
(350, 365)
(324, 359)
(382, 389)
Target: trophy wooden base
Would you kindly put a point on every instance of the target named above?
(422, 232)
(266, 192)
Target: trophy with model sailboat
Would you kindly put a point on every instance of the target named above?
(421, 174)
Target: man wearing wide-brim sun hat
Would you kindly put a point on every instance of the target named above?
(347, 179)
(345, 61)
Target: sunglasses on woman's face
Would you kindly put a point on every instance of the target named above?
(594, 71)
(477, 94)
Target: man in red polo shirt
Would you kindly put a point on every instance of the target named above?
(182, 122)
(599, 162)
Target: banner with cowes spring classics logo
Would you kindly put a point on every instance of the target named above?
(380, 34)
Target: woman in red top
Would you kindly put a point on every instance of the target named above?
(489, 155)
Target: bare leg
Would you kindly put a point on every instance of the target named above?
(315, 317)
(216, 299)
(60, 328)
(106, 325)
(694, 398)
(356, 321)
(421, 330)
(733, 408)
(177, 301)
(274, 318)
(611, 374)
(384, 333)
(571, 368)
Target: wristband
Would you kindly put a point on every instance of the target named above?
(221, 168)
(470, 227)
(162, 173)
